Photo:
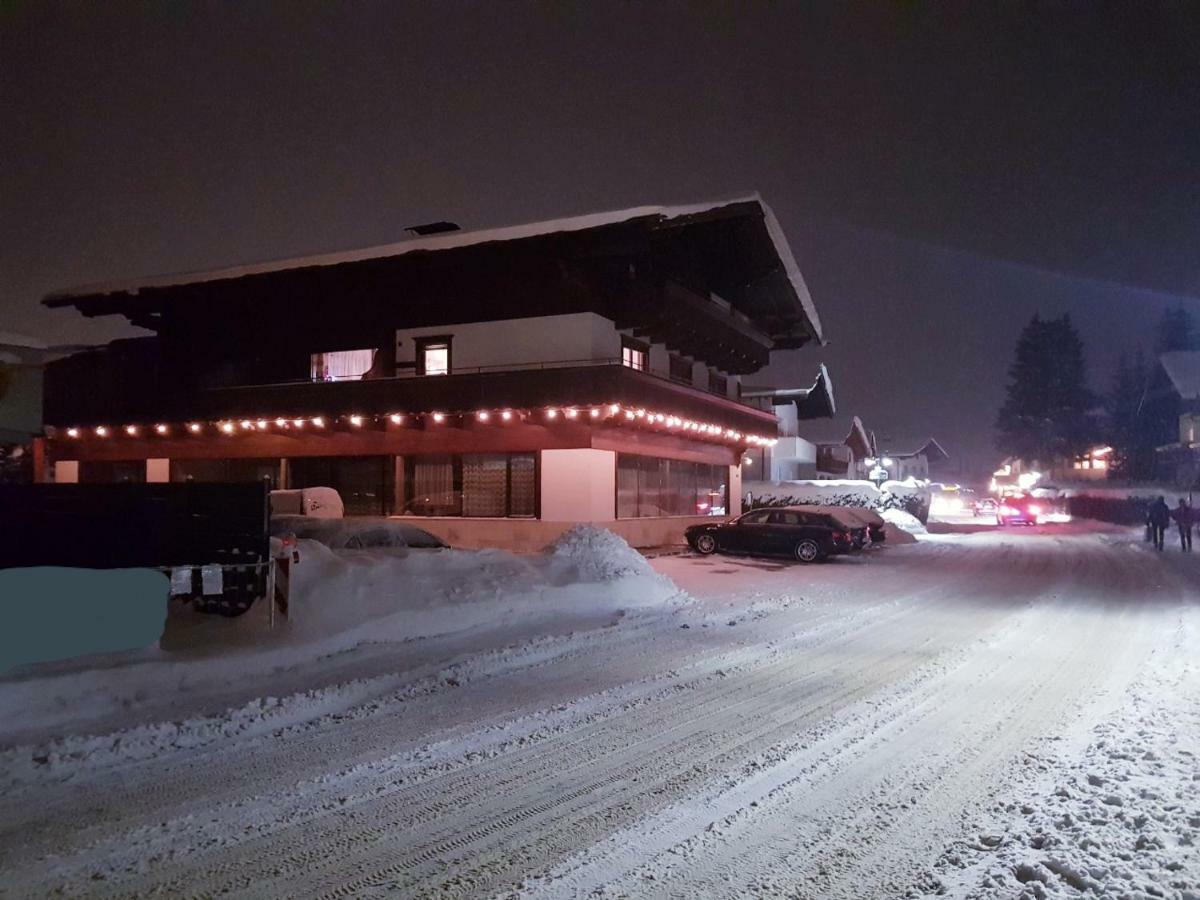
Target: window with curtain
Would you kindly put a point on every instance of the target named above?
(341, 365)
(433, 356)
(648, 486)
(633, 354)
(482, 485)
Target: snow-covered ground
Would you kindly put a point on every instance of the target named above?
(988, 714)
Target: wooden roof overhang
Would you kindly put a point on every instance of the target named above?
(717, 284)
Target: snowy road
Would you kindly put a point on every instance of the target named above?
(936, 716)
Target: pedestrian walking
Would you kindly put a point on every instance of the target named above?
(1160, 517)
(1184, 517)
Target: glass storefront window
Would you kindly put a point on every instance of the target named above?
(648, 486)
(492, 485)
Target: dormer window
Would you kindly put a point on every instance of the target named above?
(433, 356)
(341, 365)
(633, 354)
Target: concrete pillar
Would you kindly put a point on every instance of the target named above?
(66, 471)
(158, 471)
(735, 491)
(579, 485)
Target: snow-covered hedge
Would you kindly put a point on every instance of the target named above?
(908, 497)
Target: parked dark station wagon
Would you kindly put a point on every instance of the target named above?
(785, 531)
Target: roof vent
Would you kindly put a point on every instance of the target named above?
(432, 228)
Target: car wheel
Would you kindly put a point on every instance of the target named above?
(706, 544)
(808, 551)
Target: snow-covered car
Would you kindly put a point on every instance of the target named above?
(785, 531)
(358, 533)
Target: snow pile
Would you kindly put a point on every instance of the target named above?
(901, 527)
(358, 533)
(598, 554)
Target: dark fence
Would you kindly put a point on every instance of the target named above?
(106, 526)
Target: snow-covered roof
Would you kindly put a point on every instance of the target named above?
(931, 449)
(1183, 368)
(456, 239)
(811, 402)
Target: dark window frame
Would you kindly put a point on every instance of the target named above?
(635, 346)
(676, 366)
(718, 383)
(432, 342)
(456, 464)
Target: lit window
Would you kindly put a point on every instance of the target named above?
(433, 356)
(341, 365)
(633, 355)
(1099, 463)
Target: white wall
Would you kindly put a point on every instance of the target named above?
(735, 491)
(66, 471)
(514, 342)
(792, 458)
(579, 485)
(158, 471)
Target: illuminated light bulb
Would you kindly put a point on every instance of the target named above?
(131, 430)
(482, 415)
(194, 427)
(247, 424)
(161, 429)
(506, 415)
(595, 413)
(629, 414)
(281, 423)
(438, 417)
(262, 424)
(641, 414)
(356, 421)
(552, 414)
(318, 421)
(73, 432)
(572, 413)
(101, 431)
(660, 418)
(299, 423)
(614, 409)
(227, 427)
(396, 418)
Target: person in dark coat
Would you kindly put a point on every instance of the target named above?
(1160, 518)
(1183, 516)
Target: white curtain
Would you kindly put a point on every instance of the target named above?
(342, 365)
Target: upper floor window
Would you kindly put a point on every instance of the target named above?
(341, 365)
(681, 369)
(718, 383)
(433, 356)
(633, 354)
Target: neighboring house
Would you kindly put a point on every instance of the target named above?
(580, 370)
(1178, 462)
(21, 361)
(792, 457)
(902, 462)
(846, 458)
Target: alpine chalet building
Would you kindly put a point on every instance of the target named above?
(498, 384)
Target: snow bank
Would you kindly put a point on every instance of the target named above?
(901, 527)
(832, 492)
(598, 554)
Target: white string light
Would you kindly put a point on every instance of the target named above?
(357, 420)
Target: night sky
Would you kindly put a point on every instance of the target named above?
(942, 172)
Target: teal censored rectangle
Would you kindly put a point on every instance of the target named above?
(54, 613)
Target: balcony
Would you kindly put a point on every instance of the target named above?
(565, 384)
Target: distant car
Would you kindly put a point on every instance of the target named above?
(795, 532)
(985, 506)
(1019, 511)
